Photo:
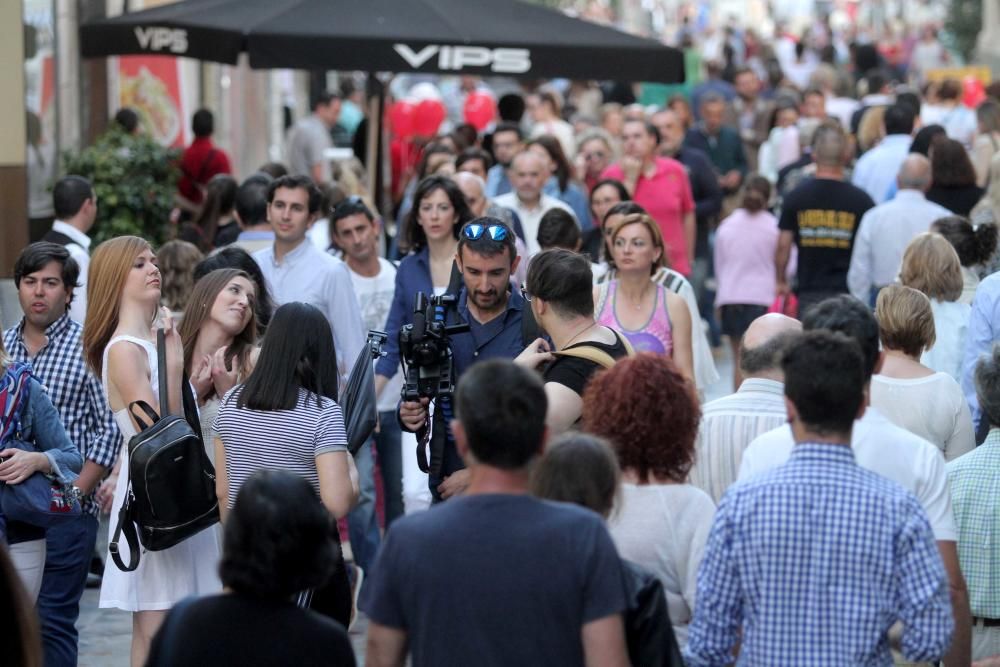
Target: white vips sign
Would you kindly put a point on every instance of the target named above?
(501, 61)
(162, 39)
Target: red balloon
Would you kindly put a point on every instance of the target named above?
(973, 92)
(401, 118)
(480, 109)
(428, 117)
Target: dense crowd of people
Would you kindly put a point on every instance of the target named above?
(836, 227)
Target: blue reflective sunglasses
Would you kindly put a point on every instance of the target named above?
(474, 231)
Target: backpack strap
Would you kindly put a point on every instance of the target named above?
(590, 353)
(161, 371)
(596, 354)
(52, 236)
(126, 525)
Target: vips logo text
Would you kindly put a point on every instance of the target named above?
(502, 61)
(162, 39)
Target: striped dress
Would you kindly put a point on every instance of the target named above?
(278, 439)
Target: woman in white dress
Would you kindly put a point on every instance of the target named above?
(123, 293)
(219, 332)
(911, 395)
(649, 413)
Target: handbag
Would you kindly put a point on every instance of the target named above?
(40, 500)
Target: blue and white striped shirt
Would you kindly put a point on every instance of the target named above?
(815, 560)
(75, 392)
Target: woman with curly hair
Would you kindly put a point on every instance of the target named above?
(649, 412)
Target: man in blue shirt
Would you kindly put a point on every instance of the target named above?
(497, 577)
(486, 258)
(816, 559)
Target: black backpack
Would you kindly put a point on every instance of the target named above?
(171, 482)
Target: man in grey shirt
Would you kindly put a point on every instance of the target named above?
(310, 137)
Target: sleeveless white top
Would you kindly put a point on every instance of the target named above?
(166, 577)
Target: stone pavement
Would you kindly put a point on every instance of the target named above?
(105, 634)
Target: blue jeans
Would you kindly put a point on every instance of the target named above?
(362, 522)
(69, 548)
(388, 444)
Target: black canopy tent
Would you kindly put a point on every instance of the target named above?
(486, 37)
(480, 37)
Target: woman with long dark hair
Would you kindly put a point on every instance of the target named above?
(286, 417)
(216, 223)
(219, 333)
(234, 257)
(439, 212)
(953, 178)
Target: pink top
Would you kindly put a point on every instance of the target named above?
(745, 244)
(655, 336)
(666, 197)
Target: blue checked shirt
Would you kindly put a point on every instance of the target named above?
(815, 560)
(74, 390)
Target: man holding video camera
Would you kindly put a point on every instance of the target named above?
(486, 258)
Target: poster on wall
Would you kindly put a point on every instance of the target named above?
(151, 85)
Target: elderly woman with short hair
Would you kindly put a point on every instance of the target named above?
(931, 265)
(912, 396)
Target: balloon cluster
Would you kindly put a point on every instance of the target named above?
(422, 112)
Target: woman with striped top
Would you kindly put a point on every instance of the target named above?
(286, 417)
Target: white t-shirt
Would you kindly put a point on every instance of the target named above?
(932, 407)
(884, 448)
(664, 528)
(375, 299)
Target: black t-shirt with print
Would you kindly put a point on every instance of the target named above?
(824, 215)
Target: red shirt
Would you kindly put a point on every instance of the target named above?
(199, 163)
(667, 198)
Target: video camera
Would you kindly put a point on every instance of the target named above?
(426, 350)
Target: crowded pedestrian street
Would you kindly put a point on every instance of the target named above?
(500, 332)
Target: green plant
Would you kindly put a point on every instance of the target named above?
(134, 179)
(965, 19)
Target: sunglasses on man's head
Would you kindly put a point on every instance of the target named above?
(474, 231)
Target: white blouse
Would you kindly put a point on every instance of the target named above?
(664, 528)
(932, 407)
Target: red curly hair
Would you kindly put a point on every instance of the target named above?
(649, 412)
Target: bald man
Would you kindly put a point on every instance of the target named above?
(886, 230)
(730, 424)
(528, 175)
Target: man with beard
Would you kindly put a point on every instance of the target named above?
(486, 258)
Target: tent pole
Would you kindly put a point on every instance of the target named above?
(375, 92)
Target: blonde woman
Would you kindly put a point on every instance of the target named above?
(911, 395)
(931, 265)
(123, 298)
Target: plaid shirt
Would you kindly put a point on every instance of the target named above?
(975, 495)
(815, 560)
(75, 392)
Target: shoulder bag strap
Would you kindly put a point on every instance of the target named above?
(161, 371)
(590, 353)
(629, 350)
